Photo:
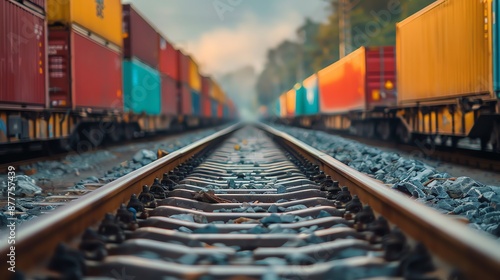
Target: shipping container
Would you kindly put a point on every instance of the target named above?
(277, 107)
(310, 101)
(300, 100)
(183, 67)
(283, 108)
(454, 60)
(142, 88)
(217, 93)
(220, 110)
(226, 114)
(214, 107)
(140, 37)
(195, 103)
(363, 80)
(206, 86)
(194, 75)
(168, 59)
(169, 96)
(22, 56)
(185, 103)
(80, 80)
(37, 5)
(206, 106)
(101, 17)
(290, 97)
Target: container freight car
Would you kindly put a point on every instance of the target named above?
(79, 80)
(22, 57)
(141, 40)
(448, 89)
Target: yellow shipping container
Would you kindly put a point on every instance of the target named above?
(217, 93)
(103, 17)
(290, 102)
(194, 76)
(444, 52)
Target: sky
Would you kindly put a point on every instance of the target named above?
(225, 35)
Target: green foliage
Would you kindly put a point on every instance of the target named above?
(373, 23)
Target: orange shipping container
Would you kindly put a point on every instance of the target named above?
(290, 103)
(283, 109)
(194, 76)
(217, 93)
(103, 18)
(443, 52)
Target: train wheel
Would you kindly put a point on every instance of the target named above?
(404, 135)
(495, 138)
(384, 130)
(115, 133)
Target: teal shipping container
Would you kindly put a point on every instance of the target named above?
(310, 96)
(215, 106)
(226, 113)
(277, 108)
(195, 103)
(496, 47)
(300, 100)
(141, 87)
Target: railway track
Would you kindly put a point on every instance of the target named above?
(250, 203)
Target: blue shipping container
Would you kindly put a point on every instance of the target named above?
(277, 108)
(195, 103)
(226, 111)
(300, 100)
(214, 107)
(141, 88)
(310, 97)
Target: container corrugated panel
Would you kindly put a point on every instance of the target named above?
(101, 17)
(169, 96)
(310, 102)
(185, 104)
(290, 103)
(142, 88)
(183, 67)
(140, 38)
(22, 56)
(214, 108)
(206, 86)
(78, 80)
(443, 52)
(496, 47)
(194, 75)
(168, 59)
(195, 103)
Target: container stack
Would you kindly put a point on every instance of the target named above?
(185, 104)
(142, 84)
(206, 103)
(85, 50)
(194, 82)
(168, 67)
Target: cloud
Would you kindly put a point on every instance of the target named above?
(224, 49)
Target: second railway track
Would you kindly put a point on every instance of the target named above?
(254, 203)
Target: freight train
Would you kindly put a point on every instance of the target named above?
(439, 84)
(80, 72)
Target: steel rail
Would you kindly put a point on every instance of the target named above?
(37, 239)
(476, 254)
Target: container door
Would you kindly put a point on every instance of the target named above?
(59, 69)
(496, 47)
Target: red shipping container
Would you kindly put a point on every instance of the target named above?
(185, 106)
(183, 67)
(169, 95)
(363, 80)
(220, 111)
(168, 59)
(206, 86)
(22, 56)
(206, 106)
(140, 38)
(83, 73)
